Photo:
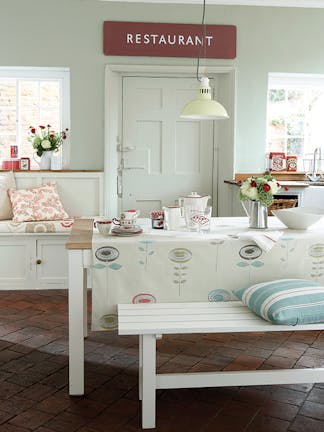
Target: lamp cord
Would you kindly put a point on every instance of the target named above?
(203, 32)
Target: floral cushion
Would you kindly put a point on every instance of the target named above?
(40, 203)
(7, 181)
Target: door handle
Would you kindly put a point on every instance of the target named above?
(122, 149)
(133, 168)
(119, 186)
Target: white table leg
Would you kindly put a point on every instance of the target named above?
(85, 304)
(148, 381)
(76, 322)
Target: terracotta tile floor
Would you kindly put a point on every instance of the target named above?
(34, 377)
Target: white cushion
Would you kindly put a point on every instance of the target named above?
(7, 181)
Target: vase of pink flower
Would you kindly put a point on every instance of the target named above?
(256, 194)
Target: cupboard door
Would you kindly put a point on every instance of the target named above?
(16, 263)
(51, 263)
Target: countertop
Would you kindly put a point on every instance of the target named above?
(287, 183)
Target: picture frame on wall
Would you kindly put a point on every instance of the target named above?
(24, 164)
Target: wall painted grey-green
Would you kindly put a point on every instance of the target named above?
(69, 33)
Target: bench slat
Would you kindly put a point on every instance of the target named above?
(200, 317)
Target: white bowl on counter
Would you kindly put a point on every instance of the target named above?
(299, 217)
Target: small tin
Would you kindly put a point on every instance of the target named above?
(157, 219)
(157, 223)
(13, 151)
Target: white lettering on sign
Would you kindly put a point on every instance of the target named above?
(168, 39)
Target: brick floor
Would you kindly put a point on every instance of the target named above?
(34, 377)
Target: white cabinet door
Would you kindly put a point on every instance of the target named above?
(51, 263)
(16, 263)
(314, 197)
(162, 155)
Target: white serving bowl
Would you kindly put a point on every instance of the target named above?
(299, 217)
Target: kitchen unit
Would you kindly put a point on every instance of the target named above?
(302, 190)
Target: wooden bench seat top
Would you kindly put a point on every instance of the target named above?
(198, 317)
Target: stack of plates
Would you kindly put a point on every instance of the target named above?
(127, 231)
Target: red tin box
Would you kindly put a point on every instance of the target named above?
(11, 164)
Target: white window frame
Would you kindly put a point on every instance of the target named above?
(47, 73)
(292, 80)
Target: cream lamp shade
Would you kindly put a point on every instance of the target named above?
(203, 107)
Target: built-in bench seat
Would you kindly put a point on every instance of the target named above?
(33, 254)
(150, 320)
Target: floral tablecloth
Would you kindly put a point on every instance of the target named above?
(168, 266)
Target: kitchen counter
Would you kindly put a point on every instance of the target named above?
(286, 183)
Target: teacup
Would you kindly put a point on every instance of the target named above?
(103, 226)
(127, 218)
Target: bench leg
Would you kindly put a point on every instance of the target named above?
(148, 381)
(140, 367)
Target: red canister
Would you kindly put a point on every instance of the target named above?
(11, 164)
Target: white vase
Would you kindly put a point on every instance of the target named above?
(45, 160)
(56, 161)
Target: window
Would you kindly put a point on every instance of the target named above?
(32, 97)
(295, 123)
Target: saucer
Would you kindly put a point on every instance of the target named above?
(127, 231)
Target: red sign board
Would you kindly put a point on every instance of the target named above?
(169, 40)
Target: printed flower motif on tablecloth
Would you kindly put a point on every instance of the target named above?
(316, 252)
(217, 243)
(144, 298)
(250, 254)
(109, 321)
(217, 295)
(288, 245)
(180, 256)
(107, 255)
(146, 252)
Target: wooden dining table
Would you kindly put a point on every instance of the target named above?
(176, 267)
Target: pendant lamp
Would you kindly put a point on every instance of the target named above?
(203, 107)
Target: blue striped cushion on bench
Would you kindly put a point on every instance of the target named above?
(285, 301)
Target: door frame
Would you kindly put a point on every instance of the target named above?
(224, 152)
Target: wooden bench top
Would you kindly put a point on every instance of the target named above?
(198, 317)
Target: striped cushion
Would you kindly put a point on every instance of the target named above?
(285, 301)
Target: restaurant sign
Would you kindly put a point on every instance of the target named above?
(169, 40)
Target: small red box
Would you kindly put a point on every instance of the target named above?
(11, 164)
(291, 163)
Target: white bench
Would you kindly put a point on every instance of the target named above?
(150, 320)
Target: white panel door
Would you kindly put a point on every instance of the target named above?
(52, 263)
(162, 156)
(17, 258)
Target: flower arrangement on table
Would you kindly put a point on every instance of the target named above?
(260, 189)
(44, 139)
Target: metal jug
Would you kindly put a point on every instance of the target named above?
(257, 213)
